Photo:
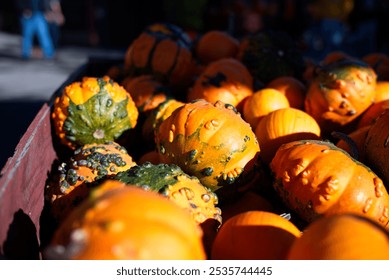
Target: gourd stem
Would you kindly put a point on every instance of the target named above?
(350, 142)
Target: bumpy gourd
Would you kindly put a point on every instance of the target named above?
(93, 110)
(339, 93)
(209, 141)
(88, 164)
(315, 178)
(170, 181)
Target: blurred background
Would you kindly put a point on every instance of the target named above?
(107, 27)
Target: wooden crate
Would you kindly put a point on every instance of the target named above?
(23, 228)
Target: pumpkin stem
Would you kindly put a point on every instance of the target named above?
(350, 142)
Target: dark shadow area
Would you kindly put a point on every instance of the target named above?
(22, 242)
(15, 116)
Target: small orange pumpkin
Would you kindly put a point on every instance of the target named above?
(215, 45)
(373, 112)
(146, 92)
(226, 79)
(341, 237)
(261, 103)
(293, 88)
(119, 221)
(282, 126)
(254, 235)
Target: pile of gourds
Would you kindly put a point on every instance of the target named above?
(215, 148)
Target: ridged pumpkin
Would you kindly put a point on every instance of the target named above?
(170, 181)
(377, 146)
(254, 235)
(226, 79)
(315, 178)
(342, 237)
(146, 92)
(122, 222)
(165, 57)
(282, 126)
(93, 110)
(261, 103)
(339, 93)
(209, 141)
(88, 164)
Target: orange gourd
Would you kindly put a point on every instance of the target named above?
(255, 235)
(315, 178)
(339, 93)
(126, 222)
(209, 141)
(341, 237)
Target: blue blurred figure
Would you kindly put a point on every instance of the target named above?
(33, 22)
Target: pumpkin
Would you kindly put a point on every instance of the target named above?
(226, 79)
(314, 178)
(93, 110)
(339, 93)
(209, 141)
(282, 126)
(214, 45)
(377, 146)
(341, 237)
(165, 57)
(146, 92)
(88, 164)
(269, 54)
(293, 89)
(255, 235)
(170, 181)
(119, 221)
(261, 103)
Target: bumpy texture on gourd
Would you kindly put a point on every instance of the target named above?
(94, 110)
(339, 93)
(209, 141)
(170, 181)
(315, 178)
(88, 164)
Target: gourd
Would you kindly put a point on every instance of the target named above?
(339, 93)
(226, 79)
(170, 181)
(118, 221)
(93, 110)
(88, 164)
(209, 141)
(314, 178)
